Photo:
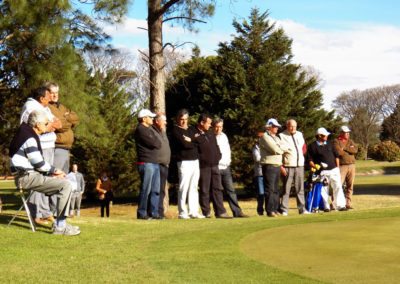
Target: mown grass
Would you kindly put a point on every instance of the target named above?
(371, 166)
(125, 250)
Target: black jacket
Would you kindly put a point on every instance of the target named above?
(183, 150)
(148, 141)
(209, 152)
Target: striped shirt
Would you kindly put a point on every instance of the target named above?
(28, 159)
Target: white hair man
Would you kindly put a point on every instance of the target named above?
(32, 172)
(293, 167)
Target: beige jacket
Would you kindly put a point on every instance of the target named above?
(295, 142)
(271, 149)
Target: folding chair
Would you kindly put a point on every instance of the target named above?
(21, 193)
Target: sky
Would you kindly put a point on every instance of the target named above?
(353, 44)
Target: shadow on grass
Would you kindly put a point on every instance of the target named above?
(391, 170)
(377, 189)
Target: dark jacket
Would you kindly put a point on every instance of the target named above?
(164, 153)
(148, 141)
(209, 152)
(325, 153)
(183, 150)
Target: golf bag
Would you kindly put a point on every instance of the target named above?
(314, 184)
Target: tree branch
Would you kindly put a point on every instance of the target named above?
(183, 18)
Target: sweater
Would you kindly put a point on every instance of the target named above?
(209, 152)
(148, 142)
(183, 150)
(322, 153)
(164, 153)
(69, 119)
(223, 144)
(346, 150)
(295, 142)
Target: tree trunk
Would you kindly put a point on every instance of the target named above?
(156, 58)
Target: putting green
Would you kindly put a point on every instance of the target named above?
(358, 251)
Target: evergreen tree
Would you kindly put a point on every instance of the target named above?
(250, 80)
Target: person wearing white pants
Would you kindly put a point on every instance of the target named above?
(184, 151)
(322, 152)
(189, 173)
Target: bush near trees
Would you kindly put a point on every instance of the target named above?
(385, 151)
(251, 79)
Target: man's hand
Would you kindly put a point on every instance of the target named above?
(187, 139)
(58, 174)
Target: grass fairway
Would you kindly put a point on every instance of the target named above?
(125, 250)
(357, 251)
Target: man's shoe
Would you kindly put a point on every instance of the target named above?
(327, 210)
(183, 217)
(197, 216)
(272, 214)
(68, 230)
(208, 216)
(305, 212)
(242, 215)
(342, 209)
(143, 217)
(349, 207)
(50, 219)
(284, 214)
(41, 222)
(224, 216)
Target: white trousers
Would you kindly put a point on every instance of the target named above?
(189, 174)
(334, 181)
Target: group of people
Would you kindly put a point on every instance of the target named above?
(40, 159)
(284, 155)
(202, 156)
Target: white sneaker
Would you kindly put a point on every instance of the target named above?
(68, 230)
(305, 212)
(284, 214)
(198, 216)
(183, 217)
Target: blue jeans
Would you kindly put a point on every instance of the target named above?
(259, 184)
(227, 184)
(150, 188)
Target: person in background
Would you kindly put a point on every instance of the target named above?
(104, 190)
(347, 151)
(258, 175)
(293, 167)
(78, 185)
(225, 169)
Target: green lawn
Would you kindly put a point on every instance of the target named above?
(370, 166)
(253, 250)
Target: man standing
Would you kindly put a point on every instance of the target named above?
(224, 168)
(347, 151)
(271, 149)
(78, 186)
(164, 157)
(185, 152)
(293, 167)
(148, 143)
(34, 173)
(65, 135)
(322, 152)
(210, 178)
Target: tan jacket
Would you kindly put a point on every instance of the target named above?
(271, 149)
(69, 119)
(295, 142)
(346, 151)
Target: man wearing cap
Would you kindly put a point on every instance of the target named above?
(293, 167)
(323, 153)
(148, 142)
(347, 150)
(271, 150)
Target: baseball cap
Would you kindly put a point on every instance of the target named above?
(322, 131)
(145, 112)
(345, 129)
(273, 121)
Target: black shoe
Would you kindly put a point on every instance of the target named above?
(158, 218)
(241, 215)
(327, 210)
(224, 216)
(143, 217)
(349, 207)
(342, 209)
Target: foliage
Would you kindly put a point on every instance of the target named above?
(391, 126)
(250, 80)
(386, 151)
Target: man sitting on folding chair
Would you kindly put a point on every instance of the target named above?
(33, 173)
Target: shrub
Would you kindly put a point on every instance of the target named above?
(386, 151)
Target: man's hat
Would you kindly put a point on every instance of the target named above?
(322, 131)
(345, 129)
(145, 112)
(272, 122)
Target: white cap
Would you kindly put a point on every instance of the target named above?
(273, 121)
(322, 131)
(145, 112)
(345, 129)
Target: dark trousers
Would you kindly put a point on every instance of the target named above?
(260, 189)
(271, 180)
(105, 204)
(163, 182)
(227, 184)
(210, 186)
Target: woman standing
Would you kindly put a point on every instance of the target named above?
(103, 188)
